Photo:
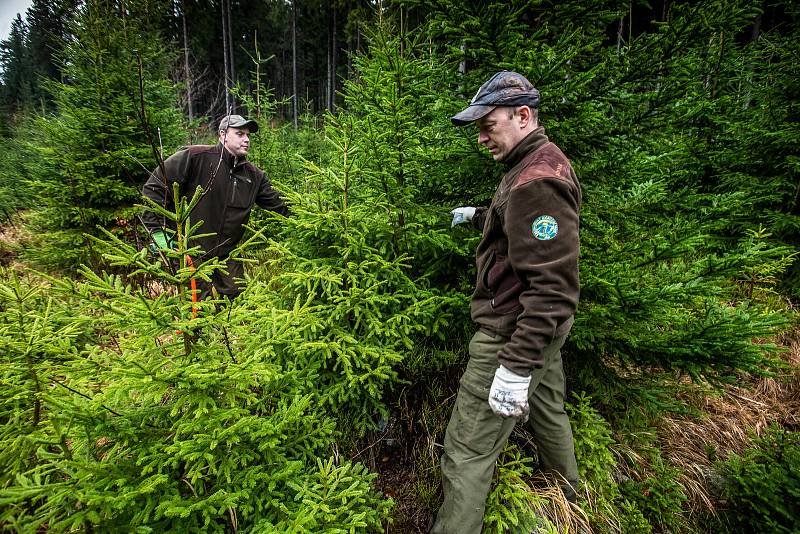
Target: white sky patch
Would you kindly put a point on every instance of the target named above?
(8, 12)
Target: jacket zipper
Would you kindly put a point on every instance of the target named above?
(224, 212)
(233, 191)
(235, 181)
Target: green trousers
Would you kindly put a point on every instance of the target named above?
(475, 436)
(227, 285)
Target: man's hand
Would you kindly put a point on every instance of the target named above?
(508, 395)
(159, 242)
(462, 215)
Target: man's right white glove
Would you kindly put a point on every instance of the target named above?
(462, 215)
(508, 395)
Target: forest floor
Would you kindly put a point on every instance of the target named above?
(730, 419)
(726, 421)
(11, 237)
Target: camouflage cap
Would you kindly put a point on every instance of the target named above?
(237, 121)
(505, 88)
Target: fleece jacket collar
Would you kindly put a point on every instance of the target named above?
(529, 143)
(230, 159)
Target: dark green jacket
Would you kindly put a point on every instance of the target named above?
(527, 287)
(231, 186)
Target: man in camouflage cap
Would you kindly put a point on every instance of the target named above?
(231, 186)
(523, 304)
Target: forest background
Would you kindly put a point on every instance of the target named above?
(317, 401)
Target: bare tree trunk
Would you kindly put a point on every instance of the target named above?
(334, 59)
(351, 43)
(796, 203)
(294, 63)
(330, 54)
(718, 65)
(756, 29)
(230, 47)
(630, 21)
(188, 73)
(748, 95)
(349, 65)
(257, 62)
(225, 55)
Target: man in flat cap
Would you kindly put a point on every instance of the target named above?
(524, 302)
(231, 185)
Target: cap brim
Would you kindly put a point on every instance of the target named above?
(250, 125)
(471, 114)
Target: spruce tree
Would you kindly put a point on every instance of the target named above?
(679, 259)
(114, 109)
(16, 91)
(661, 254)
(40, 334)
(172, 416)
(46, 37)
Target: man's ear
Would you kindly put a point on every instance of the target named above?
(525, 116)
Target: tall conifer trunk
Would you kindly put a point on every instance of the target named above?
(332, 105)
(328, 61)
(330, 85)
(231, 62)
(225, 55)
(186, 64)
(294, 63)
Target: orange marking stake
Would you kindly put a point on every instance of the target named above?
(193, 289)
(193, 285)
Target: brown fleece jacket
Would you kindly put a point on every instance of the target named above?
(527, 287)
(231, 186)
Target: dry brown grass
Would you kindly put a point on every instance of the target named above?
(731, 418)
(12, 235)
(550, 503)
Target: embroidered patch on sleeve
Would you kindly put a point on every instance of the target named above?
(544, 227)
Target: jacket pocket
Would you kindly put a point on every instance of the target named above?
(483, 274)
(504, 286)
(241, 191)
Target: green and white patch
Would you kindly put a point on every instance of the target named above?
(544, 227)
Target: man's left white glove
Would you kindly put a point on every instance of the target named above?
(508, 395)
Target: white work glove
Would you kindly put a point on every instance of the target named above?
(508, 395)
(462, 215)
